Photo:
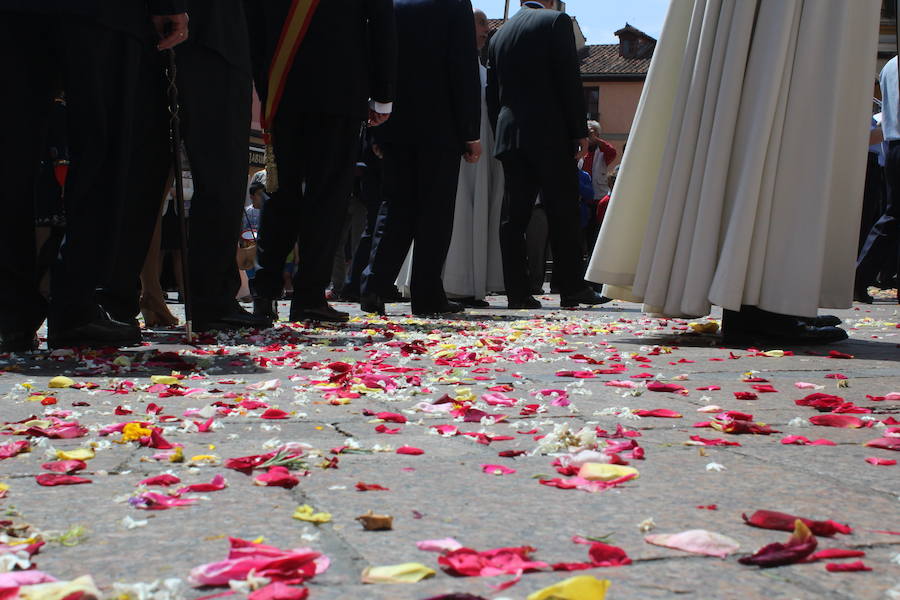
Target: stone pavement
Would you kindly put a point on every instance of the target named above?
(496, 365)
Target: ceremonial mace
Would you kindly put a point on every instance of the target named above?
(175, 139)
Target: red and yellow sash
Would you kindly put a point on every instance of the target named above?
(296, 24)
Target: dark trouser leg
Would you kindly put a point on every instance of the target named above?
(149, 165)
(536, 239)
(215, 105)
(880, 250)
(281, 212)
(26, 59)
(329, 157)
(873, 198)
(370, 190)
(436, 177)
(99, 64)
(522, 187)
(395, 225)
(559, 195)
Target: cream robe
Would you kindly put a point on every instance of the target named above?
(742, 182)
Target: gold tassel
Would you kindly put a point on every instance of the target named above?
(271, 167)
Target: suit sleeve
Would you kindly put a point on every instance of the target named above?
(254, 12)
(167, 7)
(568, 84)
(492, 91)
(382, 45)
(465, 82)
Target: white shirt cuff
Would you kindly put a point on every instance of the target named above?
(473, 141)
(383, 108)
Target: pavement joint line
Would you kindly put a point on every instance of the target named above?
(832, 479)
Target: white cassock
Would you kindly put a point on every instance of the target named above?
(474, 266)
(742, 181)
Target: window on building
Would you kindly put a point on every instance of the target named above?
(592, 102)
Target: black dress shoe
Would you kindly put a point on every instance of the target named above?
(585, 296)
(324, 312)
(235, 319)
(754, 326)
(372, 304)
(822, 321)
(473, 302)
(394, 295)
(265, 309)
(861, 294)
(18, 341)
(102, 332)
(526, 302)
(448, 308)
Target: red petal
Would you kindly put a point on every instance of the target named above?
(832, 553)
(800, 545)
(165, 479)
(767, 519)
(886, 443)
(65, 466)
(848, 567)
(410, 450)
(51, 479)
(745, 396)
(370, 487)
(274, 413)
(663, 413)
(884, 462)
(656, 386)
(831, 420)
(277, 476)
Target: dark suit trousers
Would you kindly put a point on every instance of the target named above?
(370, 194)
(557, 181)
(419, 196)
(880, 250)
(214, 98)
(94, 64)
(316, 155)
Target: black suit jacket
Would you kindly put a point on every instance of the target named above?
(534, 92)
(221, 26)
(348, 56)
(130, 16)
(438, 85)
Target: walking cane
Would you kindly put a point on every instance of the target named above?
(175, 138)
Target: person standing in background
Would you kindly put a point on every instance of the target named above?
(438, 93)
(880, 253)
(90, 50)
(340, 74)
(536, 106)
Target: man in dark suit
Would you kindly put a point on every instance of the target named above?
(536, 106)
(437, 119)
(89, 49)
(343, 74)
(215, 85)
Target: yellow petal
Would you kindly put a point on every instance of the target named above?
(308, 513)
(61, 381)
(134, 431)
(78, 454)
(36, 397)
(81, 587)
(604, 472)
(3, 488)
(164, 379)
(177, 456)
(403, 573)
(582, 587)
(774, 353)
